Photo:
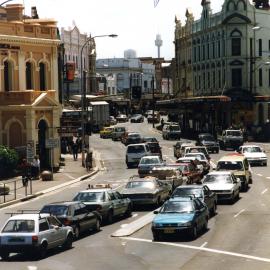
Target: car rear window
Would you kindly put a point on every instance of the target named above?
(56, 210)
(21, 225)
(89, 196)
(119, 129)
(136, 149)
(230, 165)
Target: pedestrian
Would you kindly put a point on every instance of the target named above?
(26, 171)
(36, 167)
(75, 151)
(88, 161)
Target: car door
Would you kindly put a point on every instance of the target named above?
(80, 217)
(208, 197)
(45, 232)
(88, 219)
(123, 205)
(57, 230)
(201, 213)
(116, 203)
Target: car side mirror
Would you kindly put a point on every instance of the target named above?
(155, 212)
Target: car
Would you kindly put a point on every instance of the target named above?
(155, 149)
(238, 164)
(171, 132)
(180, 215)
(34, 234)
(224, 184)
(153, 118)
(4, 189)
(150, 139)
(197, 149)
(136, 118)
(168, 174)
(112, 120)
(147, 163)
(147, 191)
(106, 132)
(193, 160)
(199, 191)
(121, 118)
(106, 201)
(74, 214)
(254, 154)
(230, 138)
(182, 150)
(208, 140)
(202, 159)
(177, 147)
(118, 133)
(135, 152)
(133, 137)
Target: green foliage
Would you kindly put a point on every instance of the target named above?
(8, 161)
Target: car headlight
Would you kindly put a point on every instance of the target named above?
(156, 225)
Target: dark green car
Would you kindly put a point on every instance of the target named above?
(108, 202)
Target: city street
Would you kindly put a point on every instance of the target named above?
(237, 236)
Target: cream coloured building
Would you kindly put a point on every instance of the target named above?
(29, 105)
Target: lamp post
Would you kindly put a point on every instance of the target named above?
(83, 90)
(153, 100)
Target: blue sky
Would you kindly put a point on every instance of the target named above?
(135, 21)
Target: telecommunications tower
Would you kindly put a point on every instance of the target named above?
(158, 43)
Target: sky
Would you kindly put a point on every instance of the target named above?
(136, 22)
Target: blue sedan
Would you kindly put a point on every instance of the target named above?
(178, 215)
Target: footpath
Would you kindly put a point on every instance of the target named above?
(70, 173)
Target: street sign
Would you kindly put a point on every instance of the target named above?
(52, 143)
(30, 151)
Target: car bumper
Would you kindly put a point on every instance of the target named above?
(212, 148)
(224, 196)
(174, 136)
(253, 161)
(144, 201)
(171, 230)
(18, 248)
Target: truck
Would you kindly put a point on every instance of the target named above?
(230, 138)
(99, 114)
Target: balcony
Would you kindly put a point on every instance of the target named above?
(26, 97)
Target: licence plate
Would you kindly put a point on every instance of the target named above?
(169, 230)
(16, 239)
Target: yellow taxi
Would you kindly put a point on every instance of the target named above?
(106, 132)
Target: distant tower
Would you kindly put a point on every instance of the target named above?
(158, 43)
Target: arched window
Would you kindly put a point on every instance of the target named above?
(42, 76)
(15, 135)
(231, 6)
(29, 76)
(241, 5)
(8, 76)
(236, 42)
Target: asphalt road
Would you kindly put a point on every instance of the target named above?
(238, 236)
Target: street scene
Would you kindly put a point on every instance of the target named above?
(109, 160)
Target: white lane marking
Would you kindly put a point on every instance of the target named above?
(239, 213)
(268, 177)
(264, 191)
(204, 244)
(123, 225)
(32, 267)
(259, 174)
(69, 176)
(134, 215)
(211, 250)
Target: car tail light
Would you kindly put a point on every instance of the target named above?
(67, 222)
(34, 239)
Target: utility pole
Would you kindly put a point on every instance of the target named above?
(153, 101)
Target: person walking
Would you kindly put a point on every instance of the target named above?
(36, 167)
(26, 172)
(88, 161)
(75, 151)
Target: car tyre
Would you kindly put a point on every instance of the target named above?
(97, 225)
(4, 255)
(158, 201)
(194, 232)
(110, 217)
(76, 232)
(68, 242)
(233, 198)
(42, 251)
(128, 212)
(205, 225)
(214, 209)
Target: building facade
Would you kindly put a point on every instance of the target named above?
(222, 66)
(29, 102)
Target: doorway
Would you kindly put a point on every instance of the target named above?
(41, 147)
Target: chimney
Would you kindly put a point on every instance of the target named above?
(14, 12)
(34, 13)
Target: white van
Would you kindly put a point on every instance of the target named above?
(135, 152)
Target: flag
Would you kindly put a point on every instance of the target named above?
(156, 3)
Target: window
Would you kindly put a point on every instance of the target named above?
(213, 50)
(269, 77)
(208, 79)
(53, 221)
(208, 51)
(219, 49)
(203, 52)
(112, 196)
(7, 76)
(213, 79)
(42, 76)
(194, 54)
(236, 46)
(219, 79)
(223, 47)
(199, 53)
(43, 225)
(260, 77)
(29, 76)
(204, 80)
(236, 77)
(260, 47)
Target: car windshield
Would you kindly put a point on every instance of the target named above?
(254, 149)
(134, 136)
(197, 192)
(177, 207)
(135, 149)
(20, 225)
(56, 210)
(174, 128)
(150, 139)
(141, 184)
(230, 165)
(217, 179)
(89, 197)
(234, 133)
(119, 129)
(149, 161)
(207, 138)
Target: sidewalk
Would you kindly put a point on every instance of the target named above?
(71, 173)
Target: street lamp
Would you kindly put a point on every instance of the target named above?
(153, 101)
(83, 89)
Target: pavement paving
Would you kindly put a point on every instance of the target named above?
(70, 173)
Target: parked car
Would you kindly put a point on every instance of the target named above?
(238, 164)
(224, 184)
(118, 133)
(254, 154)
(136, 118)
(180, 215)
(147, 190)
(135, 152)
(202, 159)
(74, 214)
(108, 202)
(208, 140)
(34, 234)
(147, 163)
(171, 132)
(112, 120)
(121, 118)
(168, 174)
(199, 191)
(106, 132)
(133, 137)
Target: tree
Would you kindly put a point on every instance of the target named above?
(8, 161)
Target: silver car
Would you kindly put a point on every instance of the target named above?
(33, 234)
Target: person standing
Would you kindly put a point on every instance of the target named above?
(88, 161)
(26, 171)
(36, 167)
(75, 151)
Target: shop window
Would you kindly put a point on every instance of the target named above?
(8, 76)
(42, 76)
(236, 46)
(236, 77)
(29, 76)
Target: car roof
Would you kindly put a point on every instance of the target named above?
(66, 203)
(136, 144)
(182, 198)
(234, 157)
(250, 145)
(148, 157)
(35, 216)
(143, 179)
(220, 173)
(190, 186)
(95, 190)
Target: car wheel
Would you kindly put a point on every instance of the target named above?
(128, 165)
(238, 195)
(233, 198)
(97, 225)
(4, 255)
(217, 151)
(128, 212)
(250, 180)
(194, 232)
(246, 187)
(156, 237)
(42, 251)
(68, 242)
(76, 232)
(214, 209)
(158, 201)
(205, 225)
(110, 217)
(265, 164)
